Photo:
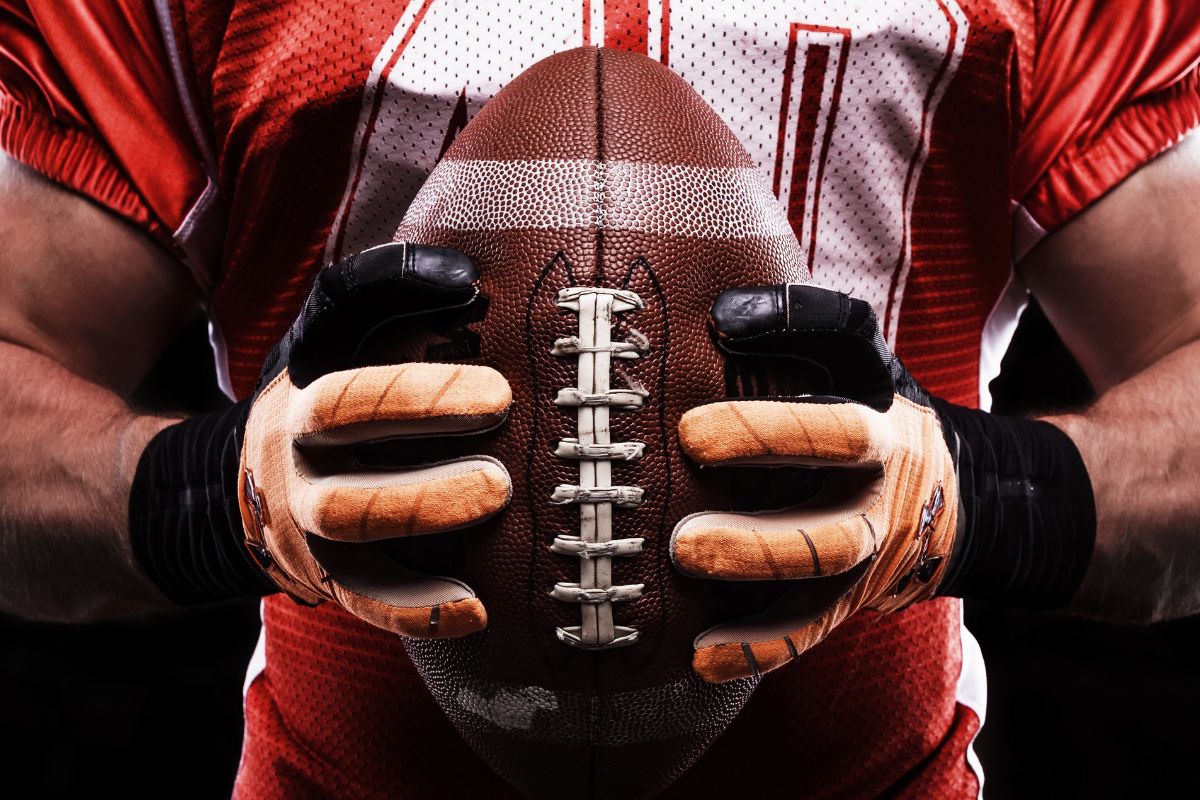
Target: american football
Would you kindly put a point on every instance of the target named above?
(606, 206)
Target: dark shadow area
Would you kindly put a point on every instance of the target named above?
(147, 707)
(1079, 708)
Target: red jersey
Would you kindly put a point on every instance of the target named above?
(920, 148)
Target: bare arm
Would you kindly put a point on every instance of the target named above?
(1121, 283)
(86, 304)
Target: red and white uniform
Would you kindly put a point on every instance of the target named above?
(920, 147)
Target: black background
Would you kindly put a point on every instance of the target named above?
(152, 707)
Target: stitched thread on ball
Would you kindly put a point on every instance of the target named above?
(593, 449)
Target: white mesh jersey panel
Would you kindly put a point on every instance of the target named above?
(443, 61)
(782, 73)
(834, 101)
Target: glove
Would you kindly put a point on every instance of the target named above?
(313, 519)
(878, 532)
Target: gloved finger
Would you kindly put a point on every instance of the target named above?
(831, 330)
(366, 506)
(373, 587)
(803, 542)
(448, 620)
(795, 622)
(355, 296)
(724, 654)
(398, 400)
(776, 432)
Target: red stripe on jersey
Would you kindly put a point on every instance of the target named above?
(812, 90)
(665, 31)
(789, 65)
(375, 106)
(912, 164)
(816, 64)
(627, 25)
(829, 125)
(961, 255)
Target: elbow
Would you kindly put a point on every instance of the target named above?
(1142, 587)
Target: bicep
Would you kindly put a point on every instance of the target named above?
(1121, 281)
(81, 286)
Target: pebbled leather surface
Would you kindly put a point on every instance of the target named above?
(553, 720)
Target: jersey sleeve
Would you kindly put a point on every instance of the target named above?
(1109, 86)
(88, 98)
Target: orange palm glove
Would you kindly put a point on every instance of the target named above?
(885, 518)
(314, 518)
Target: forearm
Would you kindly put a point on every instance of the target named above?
(1140, 445)
(69, 452)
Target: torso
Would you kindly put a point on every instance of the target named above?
(886, 131)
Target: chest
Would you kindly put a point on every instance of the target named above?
(857, 113)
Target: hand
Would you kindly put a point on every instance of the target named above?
(315, 526)
(884, 522)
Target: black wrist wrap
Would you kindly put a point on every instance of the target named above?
(1029, 517)
(184, 522)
